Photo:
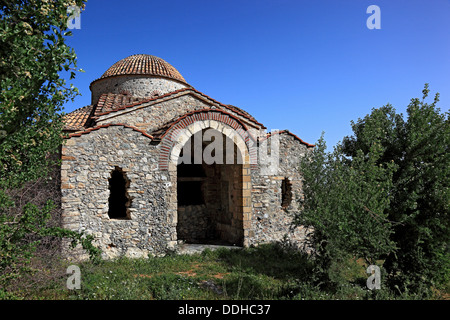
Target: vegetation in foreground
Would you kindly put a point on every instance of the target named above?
(381, 195)
(271, 271)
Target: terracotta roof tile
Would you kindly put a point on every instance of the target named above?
(112, 101)
(226, 106)
(78, 134)
(288, 133)
(143, 64)
(85, 117)
(239, 110)
(78, 119)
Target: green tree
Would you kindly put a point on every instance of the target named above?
(33, 54)
(419, 146)
(344, 207)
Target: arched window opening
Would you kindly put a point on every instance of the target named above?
(119, 201)
(286, 193)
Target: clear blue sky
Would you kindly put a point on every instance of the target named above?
(306, 66)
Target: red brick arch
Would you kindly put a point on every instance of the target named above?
(203, 119)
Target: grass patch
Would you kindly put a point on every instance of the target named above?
(265, 272)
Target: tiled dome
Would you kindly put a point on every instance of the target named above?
(143, 64)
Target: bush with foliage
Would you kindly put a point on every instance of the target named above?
(383, 195)
(344, 207)
(419, 146)
(33, 54)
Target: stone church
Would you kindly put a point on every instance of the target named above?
(144, 169)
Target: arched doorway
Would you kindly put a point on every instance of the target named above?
(210, 190)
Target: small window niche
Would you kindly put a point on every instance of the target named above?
(119, 200)
(286, 193)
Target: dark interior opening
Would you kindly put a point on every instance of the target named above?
(190, 193)
(190, 183)
(190, 170)
(286, 193)
(209, 196)
(118, 198)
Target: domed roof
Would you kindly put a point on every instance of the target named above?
(143, 64)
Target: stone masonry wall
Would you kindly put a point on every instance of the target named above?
(254, 197)
(134, 85)
(87, 163)
(154, 116)
(194, 223)
(270, 221)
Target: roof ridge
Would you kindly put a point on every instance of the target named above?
(146, 100)
(89, 130)
(285, 131)
(79, 109)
